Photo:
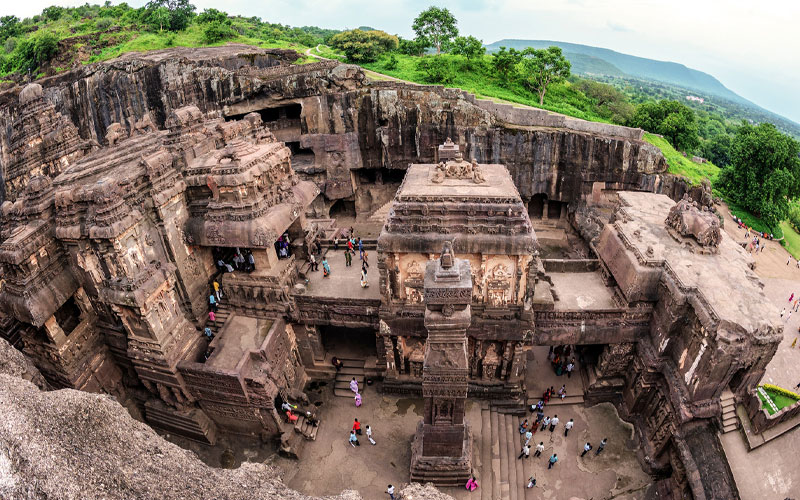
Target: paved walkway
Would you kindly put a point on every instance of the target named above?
(345, 281)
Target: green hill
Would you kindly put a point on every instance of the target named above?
(592, 66)
(669, 72)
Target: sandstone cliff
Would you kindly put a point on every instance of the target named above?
(343, 123)
(68, 444)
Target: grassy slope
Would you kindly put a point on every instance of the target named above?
(681, 165)
(561, 98)
(781, 400)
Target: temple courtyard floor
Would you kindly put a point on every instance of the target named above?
(330, 464)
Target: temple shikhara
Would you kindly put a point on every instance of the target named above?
(188, 258)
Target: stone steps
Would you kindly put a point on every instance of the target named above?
(495, 464)
(352, 368)
(518, 471)
(502, 432)
(511, 450)
(380, 215)
(729, 421)
(222, 314)
(485, 481)
(574, 399)
(307, 430)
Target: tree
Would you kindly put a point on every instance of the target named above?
(672, 119)
(718, 150)
(363, 46)
(436, 27)
(540, 68)
(412, 47)
(212, 15)
(9, 26)
(609, 101)
(216, 31)
(764, 171)
(437, 69)
(468, 46)
(179, 14)
(53, 13)
(505, 62)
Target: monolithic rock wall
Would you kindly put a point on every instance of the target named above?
(347, 122)
(69, 444)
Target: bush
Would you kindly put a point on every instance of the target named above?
(104, 23)
(32, 52)
(218, 31)
(10, 45)
(437, 69)
(391, 62)
(363, 46)
(209, 16)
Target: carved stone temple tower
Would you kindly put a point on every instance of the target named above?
(442, 449)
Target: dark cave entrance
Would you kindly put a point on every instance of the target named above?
(536, 205)
(343, 209)
(68, 316)
(348, 343)
(302, 158)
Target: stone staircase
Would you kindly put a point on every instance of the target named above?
(574, 399)
(729, 420)
(352, 368)
(305, 429)
(223, 313)
(380, 215)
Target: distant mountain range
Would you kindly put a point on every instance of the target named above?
(598, 62)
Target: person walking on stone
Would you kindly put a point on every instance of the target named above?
(369, 436)
(354, 385)
(528, 436)
(586, 448)
(364, 282)
(523, 426)
(570, 367)
(357, 427)
(545, 423)
(553, 423)
(568, 427)
(360, 249)
(390, 491)
(326, 269)
(526, 452)
(602, 446)
(562, 393)
(531, 482)
(313, 261)
(354, 439)
(539, 415)
(217, 291)
(552, 461)
(539, 449)
(348, 258)
(212, 301)
(212, 318)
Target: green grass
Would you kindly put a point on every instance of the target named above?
(479, 80)
(752, 220)
(791, 240)
(681, 165)
(140, 41)
(325, 51)
(781, 400)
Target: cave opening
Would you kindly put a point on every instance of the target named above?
(301, 157)
(343, 209)
(536, 205)
(289, 112)
(68, 316)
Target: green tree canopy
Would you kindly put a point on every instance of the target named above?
(9, 26)
(672, 119)
(437, 69)
(363, 46)
(542, 67)
(212, 15)
(178, 14)
(412, 47)
(435, 27)
(718, 149)
(764, 171)
(505, 62)
(610, 102)
(467, 46)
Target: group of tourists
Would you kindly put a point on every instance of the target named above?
(353, 243)
(794, 305)
(289, 410)
(228, 261)
(282, 246)
(356, 431)
(561, 361)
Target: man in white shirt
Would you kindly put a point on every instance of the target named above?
(568, 427)
(539, 449)
(390, 491)
(553, 423)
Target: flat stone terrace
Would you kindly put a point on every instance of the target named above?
(724, 280)
(239, 335)
(581, 291)
(498, 185)
(345, 282)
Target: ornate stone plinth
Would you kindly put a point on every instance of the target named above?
(441, 470)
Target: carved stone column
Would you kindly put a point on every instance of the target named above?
(442, 449)
(615, 360)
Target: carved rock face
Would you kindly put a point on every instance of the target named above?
(687, 220)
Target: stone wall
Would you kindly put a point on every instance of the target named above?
(762, 420)
(347, 122)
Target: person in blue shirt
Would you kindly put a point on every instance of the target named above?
(553, 460)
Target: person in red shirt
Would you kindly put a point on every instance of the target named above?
(357, 427)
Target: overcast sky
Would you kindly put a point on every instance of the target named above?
(752, 47)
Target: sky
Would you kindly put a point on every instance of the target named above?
(753, 48)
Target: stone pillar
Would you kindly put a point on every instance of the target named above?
(442, 449)
(544, 209)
